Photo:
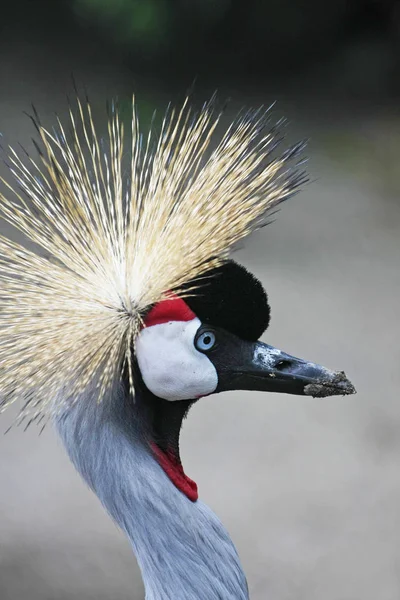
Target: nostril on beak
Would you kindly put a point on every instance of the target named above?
(283, 365)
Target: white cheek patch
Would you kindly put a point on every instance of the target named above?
(170, 365)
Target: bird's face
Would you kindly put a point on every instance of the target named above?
(174, 361)
(207, 344)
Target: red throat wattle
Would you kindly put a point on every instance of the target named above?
(172, 466)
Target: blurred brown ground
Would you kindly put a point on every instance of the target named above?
(309, 489)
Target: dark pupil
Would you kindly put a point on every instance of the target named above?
(207, 339)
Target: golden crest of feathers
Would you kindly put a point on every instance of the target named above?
(99, 244)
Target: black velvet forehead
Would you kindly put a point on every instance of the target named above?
(232, 298)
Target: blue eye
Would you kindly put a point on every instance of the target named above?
(205, 341)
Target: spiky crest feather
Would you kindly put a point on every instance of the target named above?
(115, 245)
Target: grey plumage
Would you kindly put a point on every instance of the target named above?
(182, 548)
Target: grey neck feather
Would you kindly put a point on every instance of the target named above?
(183, 550)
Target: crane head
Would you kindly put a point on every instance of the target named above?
(209, 343)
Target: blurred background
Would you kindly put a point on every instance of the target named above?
(309, 489)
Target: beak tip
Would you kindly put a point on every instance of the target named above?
(335, 385)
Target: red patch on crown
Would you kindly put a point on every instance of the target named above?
(171, 309)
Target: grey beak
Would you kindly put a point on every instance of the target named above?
(258, 366)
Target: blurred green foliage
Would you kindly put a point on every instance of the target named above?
(209, 31)
(150, 24)
(143, 21)
(228, 35)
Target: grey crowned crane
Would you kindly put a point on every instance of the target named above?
(137, 312)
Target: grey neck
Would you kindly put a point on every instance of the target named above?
(183, 550)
